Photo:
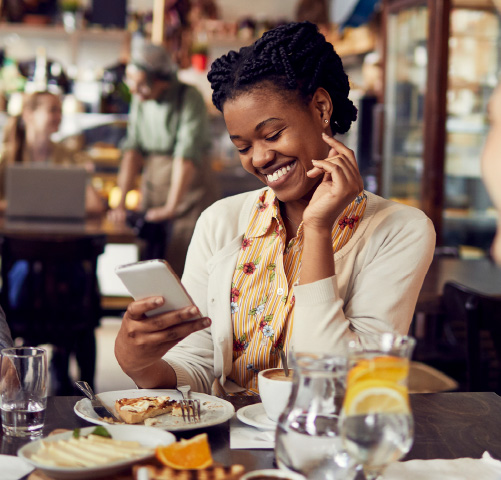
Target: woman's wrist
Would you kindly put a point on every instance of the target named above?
(317, 260)
(159, 374)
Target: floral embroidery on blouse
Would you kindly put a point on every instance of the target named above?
(348, 221)
(240, 344)
(262, 205)
(246, 242)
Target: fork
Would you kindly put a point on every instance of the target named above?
(190, 408)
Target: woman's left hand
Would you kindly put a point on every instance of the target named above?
(340, 185)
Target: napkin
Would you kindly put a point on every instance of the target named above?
(485, 468)
(14, 468)
(245, 436)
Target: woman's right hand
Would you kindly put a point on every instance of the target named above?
(142, 341)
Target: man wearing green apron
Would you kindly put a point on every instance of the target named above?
(168, 144)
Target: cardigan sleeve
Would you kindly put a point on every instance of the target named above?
(193, 358)
(386, 275)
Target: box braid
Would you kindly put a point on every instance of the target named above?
(294, 57)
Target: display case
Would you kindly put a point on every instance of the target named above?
(441, 64)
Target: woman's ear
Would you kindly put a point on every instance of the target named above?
(322, 106)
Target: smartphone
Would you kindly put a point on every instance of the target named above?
(151, 278)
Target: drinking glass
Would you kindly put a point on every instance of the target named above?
(23, 390)
(307, 438)
(376, 422)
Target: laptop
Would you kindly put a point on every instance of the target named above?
(45, 192)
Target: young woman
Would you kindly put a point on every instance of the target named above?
(27, 139)
(310, 261)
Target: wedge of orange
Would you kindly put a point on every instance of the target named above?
(193, 454)
(376, 396)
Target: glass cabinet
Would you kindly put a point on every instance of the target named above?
(474, 63)
(442, 60)
(404, 104)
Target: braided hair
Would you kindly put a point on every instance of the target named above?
(294, 57)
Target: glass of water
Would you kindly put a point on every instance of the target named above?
(23, 390)
(307, 437)
(376, 422)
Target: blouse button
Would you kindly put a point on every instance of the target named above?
(280, 291)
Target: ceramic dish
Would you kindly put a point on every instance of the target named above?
(255, 416)
(213, 410)
(146, 436)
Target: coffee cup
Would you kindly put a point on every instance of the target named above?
(275, 389)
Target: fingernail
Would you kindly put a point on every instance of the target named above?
(193, 310)
(159, 301)
(206, 322)
(314, 161)
(325, 135)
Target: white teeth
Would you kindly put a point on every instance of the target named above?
(278, 173)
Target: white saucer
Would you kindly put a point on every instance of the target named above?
(255, 416)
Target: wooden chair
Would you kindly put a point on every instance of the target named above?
(60, 301)
(474, 319)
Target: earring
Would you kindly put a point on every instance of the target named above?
(326, 121)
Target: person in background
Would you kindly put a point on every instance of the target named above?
(27, 139)
(491, 165)
(308, 262)
(168, 142)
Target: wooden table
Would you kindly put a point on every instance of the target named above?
(447, 425)
(92, 225)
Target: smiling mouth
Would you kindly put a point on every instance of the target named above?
(279, 173)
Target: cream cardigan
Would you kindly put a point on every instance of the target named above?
(379, 274)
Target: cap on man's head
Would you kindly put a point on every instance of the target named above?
(151, 58)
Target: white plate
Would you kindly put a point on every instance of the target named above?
(146, 436)
(255, 416)
(213, 410)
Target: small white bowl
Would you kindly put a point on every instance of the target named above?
(272, 473)
(146, 436)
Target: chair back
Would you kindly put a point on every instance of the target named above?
(476, 320)
(63, 289)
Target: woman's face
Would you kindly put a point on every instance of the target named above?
(46, 117)
(277, 137)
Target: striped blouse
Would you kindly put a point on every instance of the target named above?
(262, 293)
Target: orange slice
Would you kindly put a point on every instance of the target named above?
(193, 454)
(376, 396)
